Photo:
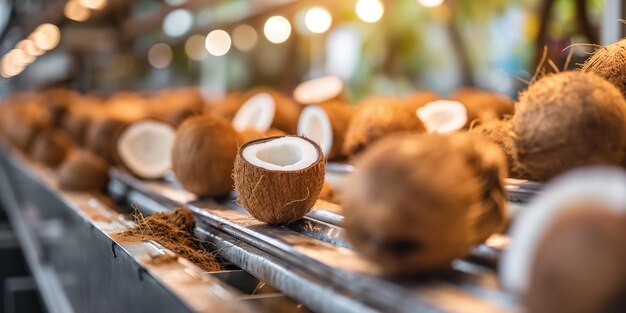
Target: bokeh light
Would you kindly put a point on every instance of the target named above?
(177, 23)
(245, 37)
(75, 11)
(218, 42)
(94, 4)
(430, 3)
(160, 55)
(277, 29)
(46, 37)
(195, 49)
(318, 20)
(369, 11)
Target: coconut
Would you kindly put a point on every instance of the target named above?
(203, 155)
(608, 63)
(408, 189)
(145, 148)
(251, 134)
(326, 124)
(420, 98)
(443, 116)
(376, 118)
(482, 105)
(569, 120)
(328, 193)
(51, 147)
(25, 123)
(226, 107)
(83, 171)
(500, 133)
(266, 109)
(79, 117)
(320, 90)
(279, 178)
(102, 137)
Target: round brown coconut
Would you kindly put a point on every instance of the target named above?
(420, 98)
(279, 178)
(226, 107)
(500, 132)
(203, 156)
(56, 104)
(103, 135)
(608, 63)
(128, 107)
(51, 147)
(378, 117)
(250, 134)
(263, 109)
(579, 265)
(79, 117)
(417, 202)
(320, 90)
(483, 105)
(568, 120)
(25, 123)
(83, 171)
(327, 125)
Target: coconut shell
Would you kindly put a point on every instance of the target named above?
(251, 134)
(482, 105)
(226, 107)
(26, 123)
(102, 137)
(608, 63)
(500, 132)
(77, 125)
(416, 203)
(203, 155)
(568, 120)
(286, 112)
(339, 115)
(51, 147)
(83, 171)
(579, 265)
(278, 197)
(377, 118)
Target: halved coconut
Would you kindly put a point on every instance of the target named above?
(443, 116)
(266, 109)
(600, 187)
(102, 136)
(319, 90)
(83, 171)
(279, 178)
(145, 148)
(326, 124)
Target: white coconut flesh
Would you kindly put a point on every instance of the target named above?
(443, 116)
(145, 148)
(256, 114)
(315, 125)
(318, 90)
(282, 154)
(603, 186)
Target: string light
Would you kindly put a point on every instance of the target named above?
(369, 11)
(160, 55)
(177, 23)
(94, 4)
(218, 42)
(430, 3)
(46, 37)
(245, 37)
(75, 11)
(195, 49)
(277, 29)
(318, 20)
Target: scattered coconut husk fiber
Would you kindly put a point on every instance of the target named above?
(175, 231)
(609, 62)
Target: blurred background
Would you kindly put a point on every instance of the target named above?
(376, 46)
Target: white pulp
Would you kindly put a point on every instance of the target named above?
(282, 154)
(315, 125)
(257, 113)
(443, 116)
(318, 90)
(145, 147)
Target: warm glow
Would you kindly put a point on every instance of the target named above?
(175, 2)
(277, 29)
(177, 23)
(218, 42)
(245, 37)
(430, 3)
(160, 55)
(29, 47)
(370, 11)
(94, 4)
(318, 20)
(194, 47)
(46, 37)
(76, 11)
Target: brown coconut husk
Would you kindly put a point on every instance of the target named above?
(175, 231)
(608, 63)
(102, 137)
(278, 197)
(339, 115)
(56, 104)
(500, 132)
(203, 155)
(226, 107)
(579, 265)
(420, 98)
(418, 202)
(51, 147)
(80, 116)
(24, 123)
(569, 120)
(251, 134)
(286, 112)
(482, 105)
(174, 106)
(376, 118)
(83, 171)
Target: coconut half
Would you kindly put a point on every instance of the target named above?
(145, 148)
(443, 116)
(279, 178)
(327, 125)
(602, 187)
(319, 90)
(257, 113)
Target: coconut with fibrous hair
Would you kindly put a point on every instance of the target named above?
(376, 118)
(326, 124)
(51, 147)
(279, 178)
(264, 109)
(320, 90)
(83, 171)
(145, 148)
(203, 155)
(417, 202)
(608, 63)
(500, 133)
(568, 120)
(482, 105)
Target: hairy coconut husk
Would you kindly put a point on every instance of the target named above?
(500, 132)
(251, 134)
(83, 171)
(569, 120)
(579, 265)
(203, 155)
(608, 63)
(51, 147)
(278, 197)
(339, 115)
(376, 118)
(286, 111)
(416, 203)
(483, 105)
(102, 137)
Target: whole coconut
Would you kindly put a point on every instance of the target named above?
(483, 105)
(568, 120)
(25, 123)
(203, 155)
(103, 135)
(418, 202)
(500, 132)
(609, 62)
(83, 171)
(51, 147)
